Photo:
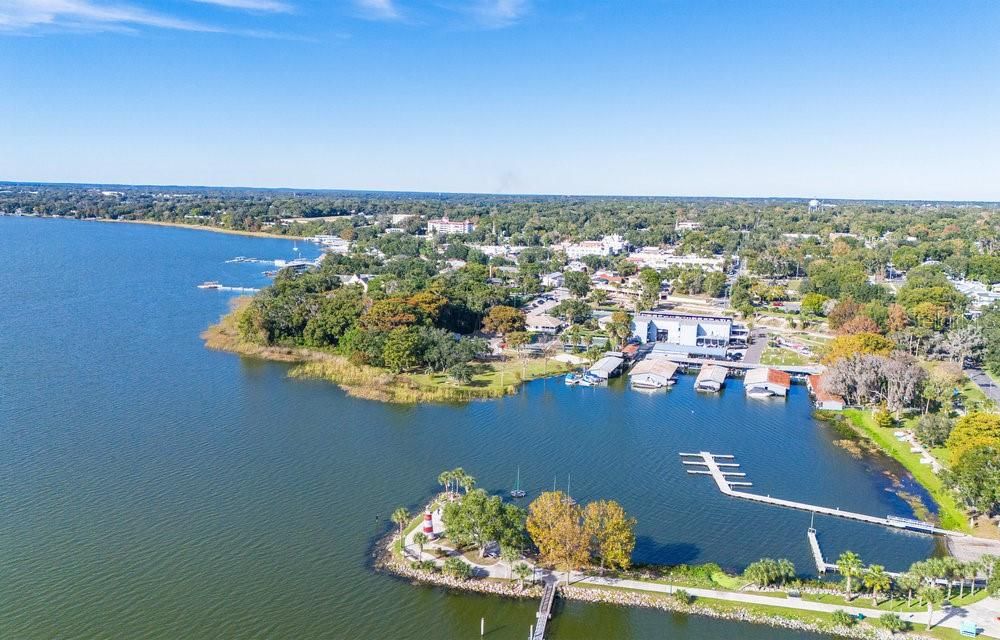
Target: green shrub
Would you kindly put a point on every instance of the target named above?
(683, 596)
(844, 619)
(892, 623)
(457, 568)
(426, 566)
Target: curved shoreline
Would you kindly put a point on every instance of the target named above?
(359, 381)
(199, 227)
(389, 562)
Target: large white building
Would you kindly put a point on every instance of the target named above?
(607, 246)
(657, 258)
(688, 334)
(446, 226)
(502, 250)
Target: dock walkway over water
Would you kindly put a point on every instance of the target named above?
(544, 610)
(713, 468)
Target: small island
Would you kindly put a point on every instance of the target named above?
(467, 539)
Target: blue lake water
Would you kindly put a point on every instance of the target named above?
(150, 488)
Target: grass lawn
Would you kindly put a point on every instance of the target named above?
(495, 378)
(783, 357)
(896, 605)
(951, 516)
(813, 617)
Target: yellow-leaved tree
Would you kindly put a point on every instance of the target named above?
(555, 524)
(611, 532)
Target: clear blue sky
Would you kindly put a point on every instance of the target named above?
(805, 98)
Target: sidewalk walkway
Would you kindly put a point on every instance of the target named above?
(984, 613)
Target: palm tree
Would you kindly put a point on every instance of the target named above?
(401, 516)
(969, 572)
(420, 538)
(974, 568)
(909, 582)
(456, 478)
(849, 564)
(522, 571)
(509, 555)
(951, 568)
(466, 482)
(444, 479)
(933, 596)
(877, 580)
(785, 570)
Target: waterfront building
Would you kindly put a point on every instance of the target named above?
(822, 398)
(607, 367)
(767, 382)
(689, 334)
(653, 373)
(446, 226)
(711, 378)
(331, 243)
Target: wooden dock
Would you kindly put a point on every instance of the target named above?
(708, 460)
(544, 610)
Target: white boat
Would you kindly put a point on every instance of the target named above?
(517, 491)
(760, 393)
(209, 284)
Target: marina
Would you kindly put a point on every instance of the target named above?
(709, 460)
(216, 286)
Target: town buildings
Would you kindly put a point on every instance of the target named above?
(446, 226)
(657, 258)
(689, 334)
(607, 246)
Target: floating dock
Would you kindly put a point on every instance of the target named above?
(708, 460)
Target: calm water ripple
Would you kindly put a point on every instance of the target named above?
(152, 489)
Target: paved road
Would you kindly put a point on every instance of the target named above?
(756, 348)
(985, 383)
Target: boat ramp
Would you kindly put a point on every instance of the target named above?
(714, 468)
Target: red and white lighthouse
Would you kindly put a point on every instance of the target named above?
(428, 524)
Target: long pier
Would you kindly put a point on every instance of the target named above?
(544, 610)
(725, 485)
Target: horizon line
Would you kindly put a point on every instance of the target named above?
(994, 203)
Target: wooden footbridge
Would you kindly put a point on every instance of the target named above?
(544, 610)
(715, 468)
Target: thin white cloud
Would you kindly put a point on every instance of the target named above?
(499, 13)
(273, 6)
(28, 15)
(378, 9)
